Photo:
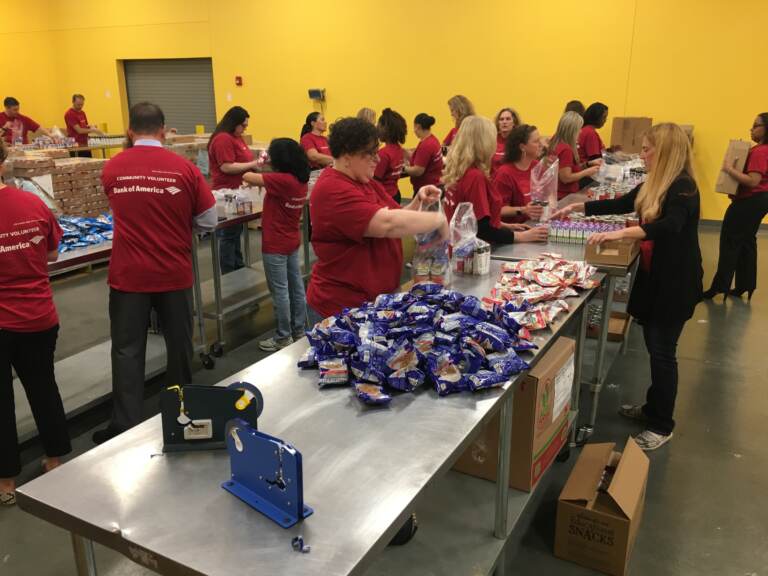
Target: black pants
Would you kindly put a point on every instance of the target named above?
(738, 243)
(230, 250)
(661, 341)
(31, 355)
(129, 316)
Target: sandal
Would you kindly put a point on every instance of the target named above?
(7, 498)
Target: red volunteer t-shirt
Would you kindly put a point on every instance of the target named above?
(513, 187)
(390, 167)
(28, 231)
(19, 126)
(475, 187)
(280, 220)
(565, 154)
(757, 161)
(154, 195)
(350, 268)
(74, 118)
(428, 155)
(227, 148)
(590, 144)
(498, 157)
(448, 140)
(315, 142)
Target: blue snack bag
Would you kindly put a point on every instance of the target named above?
(372, 395)
(485, 379)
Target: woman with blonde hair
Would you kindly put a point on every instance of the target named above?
(466, 180)
(367, 114)
(507, 119)
(564, 145)
(460, 108)
(669, 280)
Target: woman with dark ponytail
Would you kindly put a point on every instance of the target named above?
(314, 143)
(427, 160)
(392, 131)
(229, 158)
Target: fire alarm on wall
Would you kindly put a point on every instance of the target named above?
(238, 80)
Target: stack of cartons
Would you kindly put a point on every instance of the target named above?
(77, 186)
(31, 166)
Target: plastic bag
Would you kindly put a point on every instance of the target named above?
(544, 178)
(430, 257)
(463, 238)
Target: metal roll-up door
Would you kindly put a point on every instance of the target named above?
(183, 88)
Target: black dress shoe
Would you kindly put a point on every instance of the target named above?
(711, 293)
(740, 293)
(101, 436)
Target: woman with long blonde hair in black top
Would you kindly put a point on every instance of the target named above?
(669, 280)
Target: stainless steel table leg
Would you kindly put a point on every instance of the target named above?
(197, 292)
(217, 287)
(597, 383)
(502, 480)
(580, 341)
(247, 244)
(85, 558)
(632, 278)
(501, 565)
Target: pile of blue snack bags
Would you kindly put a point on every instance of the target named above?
(83, 232)
(427, 336)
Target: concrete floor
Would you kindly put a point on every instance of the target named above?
(704, 511)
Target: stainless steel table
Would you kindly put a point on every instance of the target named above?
(522, 251)
(364, 470)
(221, 312)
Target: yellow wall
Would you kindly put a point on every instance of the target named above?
(689, 61)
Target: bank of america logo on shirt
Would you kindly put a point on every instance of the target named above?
(37, 239)
(173, 190)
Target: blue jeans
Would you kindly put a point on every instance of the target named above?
(230, 251)
(287, 289)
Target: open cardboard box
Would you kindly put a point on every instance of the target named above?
(612, 253)
(598, 516)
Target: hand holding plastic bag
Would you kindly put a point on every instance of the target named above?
(430, 258)
(544, 178)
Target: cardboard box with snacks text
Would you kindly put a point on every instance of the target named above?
(540, 418)
(627, 133)
(736, 157)
(612, 253)
(601, 506)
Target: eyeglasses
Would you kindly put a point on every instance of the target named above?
(756, 126)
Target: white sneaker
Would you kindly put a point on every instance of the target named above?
(649, 441)
(272, 345)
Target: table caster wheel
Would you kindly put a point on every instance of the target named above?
(207, 361)
(217, 350)
(564, 455)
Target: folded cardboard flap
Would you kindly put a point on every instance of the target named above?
(629, 479)
(585, 477)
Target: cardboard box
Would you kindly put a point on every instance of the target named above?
(618, 326)
(539, 422)
(627, 133)
(736, 156)
(598, 520)
(612, 253)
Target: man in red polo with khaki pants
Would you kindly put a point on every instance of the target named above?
(157, 198)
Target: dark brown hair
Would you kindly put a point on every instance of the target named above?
(392, 127)
(518, 137)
